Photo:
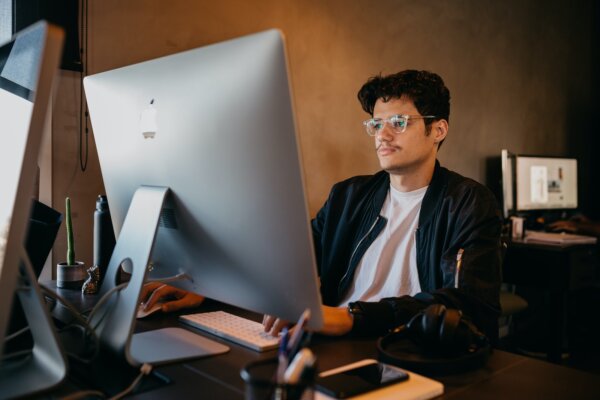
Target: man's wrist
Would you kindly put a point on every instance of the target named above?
(370, 318)
(356, 313)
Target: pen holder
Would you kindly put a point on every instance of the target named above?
(261, 383)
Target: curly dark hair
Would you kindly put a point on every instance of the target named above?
(426, 90)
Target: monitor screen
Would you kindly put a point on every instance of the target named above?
(545, 183)
(28, 65)
(215, 125)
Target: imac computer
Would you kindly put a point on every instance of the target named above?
(28, 65)
(201, 166)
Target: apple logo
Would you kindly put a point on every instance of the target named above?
(148, 124)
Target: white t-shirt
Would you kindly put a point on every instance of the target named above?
(389, 266)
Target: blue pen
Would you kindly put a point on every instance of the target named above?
(294, 342)
(282, 357)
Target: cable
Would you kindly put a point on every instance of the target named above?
(16, 334)
(178, 277)
(106, 296)
(84, 394)
(85, 323)
(83, 50)
(103, 300)
(15, 354)
(145, 369)
(68, 305)
(89, 331)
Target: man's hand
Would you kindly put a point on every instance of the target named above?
(154, 292)
(274, 325)
(566, 225)
(578, 224)
(337, 321)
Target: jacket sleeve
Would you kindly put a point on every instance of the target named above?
(476, 229)
(317, 226)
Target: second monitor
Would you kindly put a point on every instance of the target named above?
(546, 183)
(538, 183)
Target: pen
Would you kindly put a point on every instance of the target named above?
(282, 357)
(458, 266)
(294, 341)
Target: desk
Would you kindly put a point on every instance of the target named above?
(556, 269)
(505, 375)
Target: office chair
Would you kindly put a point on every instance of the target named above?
(510, 304)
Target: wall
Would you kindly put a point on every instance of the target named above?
(518, 72)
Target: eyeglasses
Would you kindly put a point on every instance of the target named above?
(398, 123)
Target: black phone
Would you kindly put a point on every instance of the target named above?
(362, 378)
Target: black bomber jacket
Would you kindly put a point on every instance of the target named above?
(456, 213)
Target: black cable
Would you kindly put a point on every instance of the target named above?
(83, 51)
(89, 332)
(20, 353)
(16, 334)
(103, 300)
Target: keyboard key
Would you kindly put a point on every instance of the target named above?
(239, 330)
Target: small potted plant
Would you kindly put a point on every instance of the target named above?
(70, 274)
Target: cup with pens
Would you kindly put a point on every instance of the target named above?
(291, 375)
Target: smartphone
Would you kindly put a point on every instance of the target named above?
(359, 378)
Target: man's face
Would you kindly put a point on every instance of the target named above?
(402, 153)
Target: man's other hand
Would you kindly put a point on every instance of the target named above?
(173, 298)
(337, 321)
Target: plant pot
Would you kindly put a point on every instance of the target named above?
(70, 276)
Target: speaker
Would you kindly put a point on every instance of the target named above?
(437, 341)
(60, 12)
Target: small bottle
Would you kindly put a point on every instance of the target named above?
(104, 235)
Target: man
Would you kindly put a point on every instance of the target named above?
(387, 245)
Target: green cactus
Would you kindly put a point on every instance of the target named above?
(70, 241)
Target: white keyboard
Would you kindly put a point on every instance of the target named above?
(240, 330)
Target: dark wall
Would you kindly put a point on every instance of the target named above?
(592, 207)
(64, 13)
(519, 72)
(583, 133)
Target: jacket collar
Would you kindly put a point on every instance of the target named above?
(433, 195)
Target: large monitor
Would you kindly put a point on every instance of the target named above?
(215, 126)
(538, 183)
(28, 65)
(545, 183)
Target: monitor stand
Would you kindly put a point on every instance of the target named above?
(46, 366)
(119, 347)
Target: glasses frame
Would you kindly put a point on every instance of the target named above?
(368, 124)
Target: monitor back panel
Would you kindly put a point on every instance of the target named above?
(216, 126)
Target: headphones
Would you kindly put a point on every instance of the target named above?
(437, 340)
